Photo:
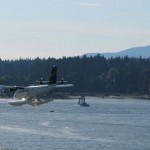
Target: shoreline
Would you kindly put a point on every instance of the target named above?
(102, 96)
(97, 95)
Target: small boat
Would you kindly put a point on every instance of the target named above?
(82, 102)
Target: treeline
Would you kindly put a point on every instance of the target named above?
(95, 74)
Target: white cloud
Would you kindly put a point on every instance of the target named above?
(89, 4)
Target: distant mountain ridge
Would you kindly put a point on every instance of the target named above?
(136, 52)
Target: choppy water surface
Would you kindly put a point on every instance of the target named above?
(108, 124)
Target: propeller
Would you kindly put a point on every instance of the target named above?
(39, 81)
(62, 80)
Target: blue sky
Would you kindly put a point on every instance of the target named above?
(56, 28)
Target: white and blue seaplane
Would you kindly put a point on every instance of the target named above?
(32, 95)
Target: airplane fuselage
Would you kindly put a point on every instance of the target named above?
(32, 92)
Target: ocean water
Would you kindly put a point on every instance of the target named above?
(108, 124)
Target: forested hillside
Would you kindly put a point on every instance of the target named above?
(137, 52)
(94, 74)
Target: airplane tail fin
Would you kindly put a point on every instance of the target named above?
(53, 76)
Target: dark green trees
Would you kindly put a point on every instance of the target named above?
(95, 74)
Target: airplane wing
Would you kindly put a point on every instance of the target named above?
(11, 88)
(64, 85)
(6, 86)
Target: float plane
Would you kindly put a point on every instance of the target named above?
(32, 95)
